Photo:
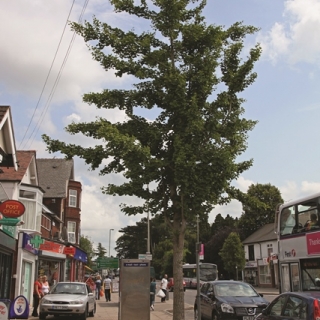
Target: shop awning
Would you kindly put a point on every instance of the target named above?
(86, 267)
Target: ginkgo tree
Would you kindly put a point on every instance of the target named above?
(183, 162)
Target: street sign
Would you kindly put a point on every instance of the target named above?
(107, 263)
(144, 256)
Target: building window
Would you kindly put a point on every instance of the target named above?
(71, 232)
(45, 222)
(72, 198)
(251, 252)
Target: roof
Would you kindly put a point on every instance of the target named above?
(24, 159)
(53, 176)
(265, 233)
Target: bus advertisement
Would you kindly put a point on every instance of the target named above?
(208, 272)
(298, 230)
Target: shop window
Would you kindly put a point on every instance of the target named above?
(264, 274)
(72, 198)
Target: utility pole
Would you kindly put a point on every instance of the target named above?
(198, 270)
(109, 240)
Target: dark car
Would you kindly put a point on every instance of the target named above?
(234, 300)
(293, 305)
(171, 283)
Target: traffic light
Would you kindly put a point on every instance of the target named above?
(11, 222)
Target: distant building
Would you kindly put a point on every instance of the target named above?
(261, 253)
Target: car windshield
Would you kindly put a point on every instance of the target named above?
(234, 290)
(69, 288)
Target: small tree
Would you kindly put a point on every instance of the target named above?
(87, 246)
(232, 254)
(100, 251)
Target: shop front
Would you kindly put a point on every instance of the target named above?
(26, 266)
(250, 273)
(52, 261)
(7, 253)
(75, 264)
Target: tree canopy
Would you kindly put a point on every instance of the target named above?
(193, 74)
(259, 206)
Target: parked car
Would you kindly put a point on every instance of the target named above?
(170, 285)
(68, 298)
(289, 305)
(228, 299)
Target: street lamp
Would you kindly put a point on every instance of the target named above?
(109, 239)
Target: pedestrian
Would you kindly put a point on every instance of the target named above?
(37, 294)
(164, 284)
(107, 288)
(98, 286)
(153, 287)
(45, 285)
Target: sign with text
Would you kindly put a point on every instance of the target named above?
(107, 263)
(12, 208)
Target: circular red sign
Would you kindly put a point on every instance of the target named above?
(12, 208)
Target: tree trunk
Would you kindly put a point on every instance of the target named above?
(178, 246)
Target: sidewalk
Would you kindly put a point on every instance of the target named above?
(163, 311)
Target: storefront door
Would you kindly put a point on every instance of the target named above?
(26, 286)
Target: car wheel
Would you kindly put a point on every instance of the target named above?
(214, 316)
(42, 316)
(91, 314)
(85, 314)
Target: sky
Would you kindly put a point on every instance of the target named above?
(45, 70)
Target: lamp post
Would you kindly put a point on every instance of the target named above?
(109, 240)
(148, 240)
(198, 269)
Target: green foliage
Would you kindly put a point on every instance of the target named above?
(87, 246)
(100, 251)
(220, 230)
(232, 254)
(192, 73)
(259, 205)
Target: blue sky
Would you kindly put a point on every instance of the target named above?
(284, 99)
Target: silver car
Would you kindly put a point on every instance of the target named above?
(68, 298)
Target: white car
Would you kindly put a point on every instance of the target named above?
(68, 298)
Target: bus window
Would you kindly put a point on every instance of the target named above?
(287, 221)
(310, 274)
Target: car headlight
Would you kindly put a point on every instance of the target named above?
(45, 301)
(77, 302)
(226, 308)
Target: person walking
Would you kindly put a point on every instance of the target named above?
(98, 287)
(153, 287)
(37, 294)
(164, 285)
(45, 285)
(107, 288)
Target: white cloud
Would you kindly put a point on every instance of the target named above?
(294, 39)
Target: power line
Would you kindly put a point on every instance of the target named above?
(44, 111)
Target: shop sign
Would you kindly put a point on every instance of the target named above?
(19, 308)
(12, 208)
(51, 246)
(4, 312)
(26, 244)
(69, 250)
